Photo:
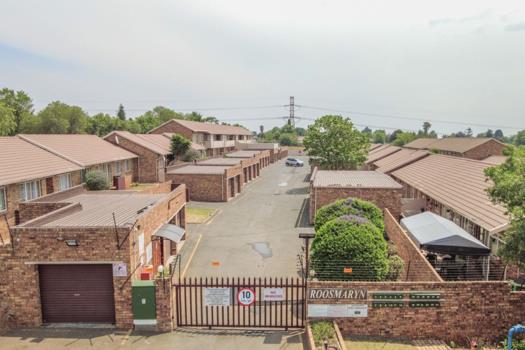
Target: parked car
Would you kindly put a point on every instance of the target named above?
(294, 162)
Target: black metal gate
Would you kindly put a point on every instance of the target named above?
(240, 302)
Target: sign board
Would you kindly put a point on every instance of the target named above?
(337, 293)
(215, 296)
(246, 296)
(337, 310)
(120, 269)
(273, 294)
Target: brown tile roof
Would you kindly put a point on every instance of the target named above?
(458, 183)
(380, 153)
(153, 142)
(242, 154)
(351, 178)
(495, 160)
(399, 159)
(209, 128)
(22, 161)
(261, 146)
(84, 150)
(378, 148)
(450, 144)
(423, 143)
(374, 146)
(198, 170)
(96, 210)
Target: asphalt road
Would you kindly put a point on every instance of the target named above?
(256, 233)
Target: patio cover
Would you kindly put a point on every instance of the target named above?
(439, 235)
(172, 232)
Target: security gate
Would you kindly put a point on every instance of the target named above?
(241, 302)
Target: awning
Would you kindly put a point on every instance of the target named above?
(439, 235)
(172, 232)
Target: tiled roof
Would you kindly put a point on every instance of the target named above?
(380, 153)
(458, 183)
(22, 161)
(84, 150)
(378, 148)
(399, 159)
(153, 142)
(96, 210)
(209, 128)
(261, 146)
(242, 154)
(495, 160)
(450, 144)
(198, 169)
(348, 178)
(374, 146)
(220, 161)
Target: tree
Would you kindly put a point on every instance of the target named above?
(379, 136)
(394, 134)
(335, 143)
(498, 134)
(468, 132)
(349, 206)
(190, 155)
(261, 131)
(179, 145)
(403, 138)
(508, 189)
(288, 140)
(20, 104)
(121, 114)
(353, 242)
(519, 139)
(100, 124)
(7, 121)
(60, 118)
(426, 128)
(96, 181)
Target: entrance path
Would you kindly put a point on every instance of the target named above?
(76, 339)
(256, 233)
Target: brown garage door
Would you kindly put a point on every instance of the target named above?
(77, 293)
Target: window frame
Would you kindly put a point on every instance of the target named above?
(69, 181)
(3, 195)
(118, 168)
(29, 184)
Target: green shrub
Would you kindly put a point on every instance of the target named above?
(96, 180)
(351, 242)
(395, 268)
(349, 206)
(322, 330)
(190, 155)
(516, 344)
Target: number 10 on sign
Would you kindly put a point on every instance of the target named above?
(246, 296)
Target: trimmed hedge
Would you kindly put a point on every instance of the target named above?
(349, 242)
(349, 206)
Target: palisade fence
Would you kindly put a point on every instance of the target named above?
(241, 302)
(346, 270)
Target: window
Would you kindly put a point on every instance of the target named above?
(107, 170)
(218, 137)
(30, 190)
(127, 165)
(118, 168)
(64, 182)
(3, 199)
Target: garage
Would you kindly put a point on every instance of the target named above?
(77, 293)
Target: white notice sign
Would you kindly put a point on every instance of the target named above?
(337, 310)
(273, 294)
(217, 296)
(120, 270)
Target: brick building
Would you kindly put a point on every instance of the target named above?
(208, 183)
(217, 139)
(263, 157)
(28, 172)
(76, 254)
(276, 152)
(91, 153)
(250, 166)
(454, 188)
(327, 186)
(467, 147)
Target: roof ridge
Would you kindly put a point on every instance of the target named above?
(58, 154)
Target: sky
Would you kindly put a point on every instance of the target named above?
(384, 64)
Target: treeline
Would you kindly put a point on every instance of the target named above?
(17, 115)
(286, 135)
(400, 137)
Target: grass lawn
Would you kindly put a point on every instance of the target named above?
(141, 187)
(377, 344)
(199, 215)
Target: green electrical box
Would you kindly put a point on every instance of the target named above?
(143, 300)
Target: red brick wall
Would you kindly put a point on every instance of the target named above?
(163, 293)
(383, 198)
(206, 188)
(417, 267)
(469, 309)
(174, 127)
(490, 148)
(148, 161)
(31, 210)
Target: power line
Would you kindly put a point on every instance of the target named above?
(391, 116)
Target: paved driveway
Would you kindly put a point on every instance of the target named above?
(255, 234)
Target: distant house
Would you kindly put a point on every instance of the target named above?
(217, 139)
(28, 172)
(467, 147)
(454, 188)
(89, 152)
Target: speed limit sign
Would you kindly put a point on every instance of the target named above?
(246, 296)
